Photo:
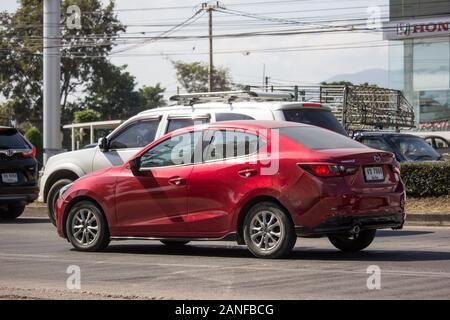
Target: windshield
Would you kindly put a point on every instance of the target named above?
(11, 139)
(315, 117)
(320, 139)
(415, 148)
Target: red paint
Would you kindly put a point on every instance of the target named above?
(211, 198)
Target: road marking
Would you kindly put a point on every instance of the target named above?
(46, 258)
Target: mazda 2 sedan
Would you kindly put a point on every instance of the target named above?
(260, 183)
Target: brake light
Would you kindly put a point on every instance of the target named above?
(30, 154)
(325, 170)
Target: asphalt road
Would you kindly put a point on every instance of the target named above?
(414, 263)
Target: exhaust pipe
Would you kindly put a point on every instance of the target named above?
(356, 229)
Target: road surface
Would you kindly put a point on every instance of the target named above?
(413, 263)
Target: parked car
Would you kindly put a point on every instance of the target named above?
(18, 173)
(147, 126)
(214, 182)
(406, 147)
(439, 144)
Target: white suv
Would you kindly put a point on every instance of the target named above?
(138, 131)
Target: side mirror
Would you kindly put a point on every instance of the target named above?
(103, 144)
(135, 165)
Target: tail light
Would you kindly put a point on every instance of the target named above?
(30, 154)
(325, 170)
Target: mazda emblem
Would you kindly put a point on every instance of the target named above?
(377, 158)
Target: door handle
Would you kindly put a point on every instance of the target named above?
(247, 173)
(177, 181)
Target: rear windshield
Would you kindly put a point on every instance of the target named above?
(320, 139)
(11, 139)
(315, 117)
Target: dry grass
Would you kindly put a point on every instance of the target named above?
(428, 205)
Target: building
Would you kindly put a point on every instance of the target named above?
(419, 58)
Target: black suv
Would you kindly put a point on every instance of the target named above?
(18, 173)
(406, 147)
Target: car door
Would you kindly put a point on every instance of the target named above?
(126, 143)
(217, 184)
(441, 146)
(154, 202)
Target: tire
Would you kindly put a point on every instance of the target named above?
(174, 243)
(53, 194)
(75, 228)
(280, 233)
(349, 243)
(13, 212)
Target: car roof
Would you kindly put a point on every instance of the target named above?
(266, 105)
(383, 133)
(242, 124)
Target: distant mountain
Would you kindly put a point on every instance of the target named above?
(372, 76)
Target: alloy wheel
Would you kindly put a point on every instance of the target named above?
(266, 231)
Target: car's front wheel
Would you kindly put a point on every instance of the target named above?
(86, 227)
(352, 242)
(12, 212)
(53, 195)
(268, 231)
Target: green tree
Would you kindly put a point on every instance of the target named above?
(86, 115)
(83, 52)
(35, 137)
(193, 77)
(151, 97)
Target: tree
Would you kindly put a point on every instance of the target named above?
(151, 97)
(86, 115)
(83, 52)
(35, 137)
(193, 77)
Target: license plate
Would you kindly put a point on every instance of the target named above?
(374, 173)
(9, 177)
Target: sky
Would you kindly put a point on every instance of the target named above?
(309, 59)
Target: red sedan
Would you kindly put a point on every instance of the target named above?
(261, 183)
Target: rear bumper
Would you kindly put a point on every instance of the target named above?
(18, 194)
(347, 223)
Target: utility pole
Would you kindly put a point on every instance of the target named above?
(52, 58)
(208, 7)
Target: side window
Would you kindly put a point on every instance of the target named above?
(175, 124)
(429, 141)
(137, 135)
(232, 116)
(376, 143)
(440, 143)
(176, 150)
(229, 144)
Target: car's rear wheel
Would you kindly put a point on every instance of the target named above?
(12, 212)
(174, 243)
(352, 242)
(86, 227)
(268, 231)
(53, 194)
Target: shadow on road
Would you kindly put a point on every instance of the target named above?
(299, 253)
(25, 221)
(401, 233)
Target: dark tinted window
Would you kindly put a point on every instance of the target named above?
(12, 139)
(376, 143)
(229, 144)
(176, 150)
(136, 135)
(232, 116)
(316, 117)
(175, 124)
(319, 139)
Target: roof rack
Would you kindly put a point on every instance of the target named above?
(230, 96)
